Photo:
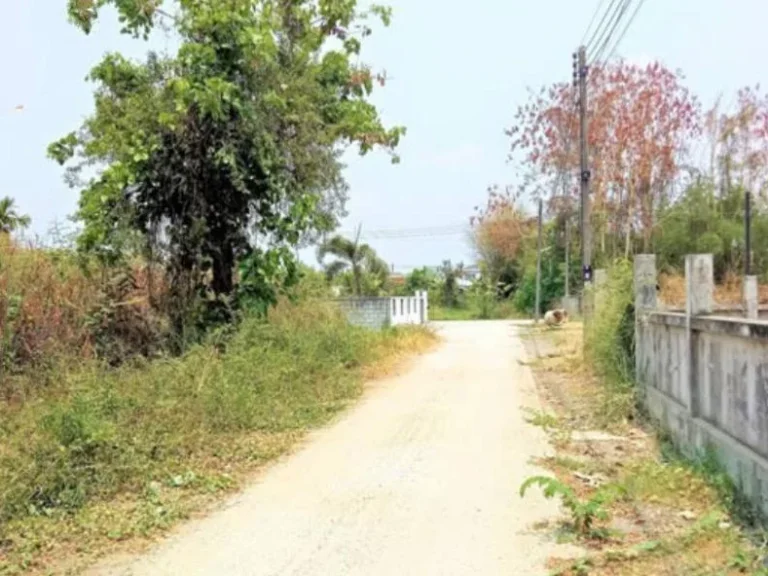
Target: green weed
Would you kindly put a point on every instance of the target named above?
(584, 513)
(543, 420)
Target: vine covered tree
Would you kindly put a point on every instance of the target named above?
(225, 153)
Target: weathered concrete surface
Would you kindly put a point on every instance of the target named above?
(705, 378)
(371, 313)
(420, 478)
(699, 283)
(751, 297)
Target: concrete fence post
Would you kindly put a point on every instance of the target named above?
(699, 300)
(423, 305)
(645, 301)
(751, 297)
(699, 284)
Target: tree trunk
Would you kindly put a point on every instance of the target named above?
(357, 277)
(628, 238)
(223, 283)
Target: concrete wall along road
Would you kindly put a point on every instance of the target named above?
(378, 313)
(705, 376)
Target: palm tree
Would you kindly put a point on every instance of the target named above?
(10, 219)
(351, 254)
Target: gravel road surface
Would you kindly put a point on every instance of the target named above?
(420, 478)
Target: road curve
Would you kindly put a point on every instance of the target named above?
(420, 478)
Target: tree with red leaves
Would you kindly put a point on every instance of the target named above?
(641, 120)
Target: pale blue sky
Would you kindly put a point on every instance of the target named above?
(458, 70)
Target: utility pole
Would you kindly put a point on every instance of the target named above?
(586, 227)
(747, 233)
(538, 264)
(568, 254)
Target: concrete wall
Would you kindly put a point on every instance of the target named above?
(705, 376)
(366, 312)
(378, 313)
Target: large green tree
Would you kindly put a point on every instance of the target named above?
(228, 149)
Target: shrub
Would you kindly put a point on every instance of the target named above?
(44, 300)
(552, 289)
(55, 306)
(610, 333)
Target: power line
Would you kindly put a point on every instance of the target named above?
(621, 9)
(599, 26)
(624, 32)
(615, 21)
(592, 21)
(408, 233)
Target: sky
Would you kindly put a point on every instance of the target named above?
(457, 71)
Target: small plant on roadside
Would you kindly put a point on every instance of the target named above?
(585, 514)
(542, 419)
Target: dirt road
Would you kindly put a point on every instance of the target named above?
(420, 478)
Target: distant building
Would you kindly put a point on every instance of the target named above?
(472, 272)
(396, 279)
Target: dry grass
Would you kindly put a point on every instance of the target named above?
(670, 519)
(727, 293)
(56, 308)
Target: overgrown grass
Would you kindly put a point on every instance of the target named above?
(678, 515)
(56, 306)
(674, 515)
(132, 439)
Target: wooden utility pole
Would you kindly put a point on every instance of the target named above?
(538, 264)
(586, 226)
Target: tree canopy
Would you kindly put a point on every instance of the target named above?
(228, 149)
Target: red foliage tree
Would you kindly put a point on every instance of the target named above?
(641, 120)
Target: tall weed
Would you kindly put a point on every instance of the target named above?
(55, 307)
(609, 337)
(609, 344)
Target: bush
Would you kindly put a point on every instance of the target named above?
(54, 306)
(44, 301)
(552, 289)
